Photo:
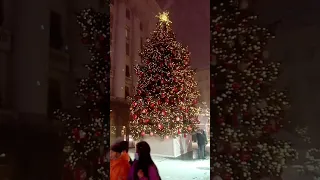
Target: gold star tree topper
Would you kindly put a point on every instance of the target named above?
(164, 18)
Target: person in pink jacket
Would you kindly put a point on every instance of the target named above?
(143, 167)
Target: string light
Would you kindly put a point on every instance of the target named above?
(87, 146)
(247, 111)
(165, 102)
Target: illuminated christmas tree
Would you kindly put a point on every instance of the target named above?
(87, 143)
(165, 103)
(247, 111)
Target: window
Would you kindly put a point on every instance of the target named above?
(141, 26)
(54, 96)
(55, 31)
(141, 43)
(128, 14)
(127, 71)
(127, 49)
(127, 33)
(126, 92)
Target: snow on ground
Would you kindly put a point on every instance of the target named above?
(178, 169)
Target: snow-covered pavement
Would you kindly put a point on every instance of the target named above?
(186, 170)
(178, 169)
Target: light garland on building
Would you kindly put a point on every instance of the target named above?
(165, 103)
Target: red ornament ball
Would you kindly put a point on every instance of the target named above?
(152, 105)
(102, 38)
(135, 116)
(245, 157)
(235, 86)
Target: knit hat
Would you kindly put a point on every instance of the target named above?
(117, 148)
(124, 145)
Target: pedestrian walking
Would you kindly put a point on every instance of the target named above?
(143, 167)
(119, 163)
(202, 142)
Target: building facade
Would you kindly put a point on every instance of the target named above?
(41, 58)
(203, 80)
(41, 55)
(131, 22)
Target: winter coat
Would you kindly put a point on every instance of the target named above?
(126, 156)
(119, 168)
(201, 139)
(152, 171)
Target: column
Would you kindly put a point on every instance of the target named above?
(136, 47)
(120, 50)
(30, 56)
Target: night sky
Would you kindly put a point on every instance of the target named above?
(191, 24)
(297, 46)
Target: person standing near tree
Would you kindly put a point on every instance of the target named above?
(202, 141)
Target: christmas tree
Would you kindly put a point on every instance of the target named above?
(165, 103)
(87, 143)
(247, 111)
(310, 162)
